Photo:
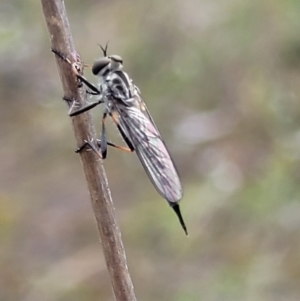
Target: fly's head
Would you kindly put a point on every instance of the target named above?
(107, 64)
(116, 62)
(102, 66)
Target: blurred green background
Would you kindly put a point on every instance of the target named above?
(221, 79)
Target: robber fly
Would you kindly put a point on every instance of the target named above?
(123, 103)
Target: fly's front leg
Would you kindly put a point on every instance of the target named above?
(76, 68)
(92, 87)
(93, 90)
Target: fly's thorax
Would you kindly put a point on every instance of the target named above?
(120, 85)
(102, 67)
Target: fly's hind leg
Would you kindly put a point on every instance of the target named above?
(96, 146)
(103, 143)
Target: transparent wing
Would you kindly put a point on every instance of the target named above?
(138, 125)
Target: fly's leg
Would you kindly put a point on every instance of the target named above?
(96, 146)
(103, 143)
(77, 70)
(84, 108)
(93, 90)
(90, 144)
(123, 134)
(74, 111)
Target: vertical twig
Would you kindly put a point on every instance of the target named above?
(61, 40)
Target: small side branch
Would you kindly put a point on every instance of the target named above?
(61, 39)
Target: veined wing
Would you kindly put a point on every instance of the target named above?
(138, 124)
(143, 106)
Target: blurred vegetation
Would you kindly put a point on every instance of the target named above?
(221, 79)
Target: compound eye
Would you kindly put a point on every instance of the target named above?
(100, 65)
(116, 58)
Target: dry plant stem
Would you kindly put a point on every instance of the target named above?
(61, 40)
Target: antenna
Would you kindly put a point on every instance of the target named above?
(104, 50)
